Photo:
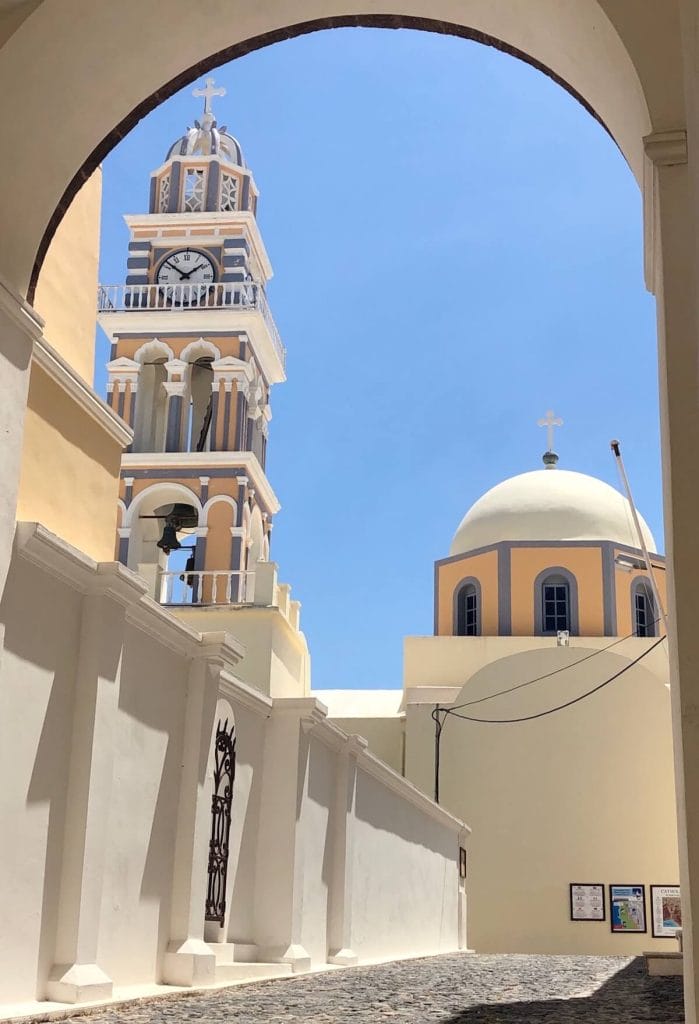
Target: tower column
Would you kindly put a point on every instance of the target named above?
(175, 407)
(241, 420)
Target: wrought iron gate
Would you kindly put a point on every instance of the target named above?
(224, 775)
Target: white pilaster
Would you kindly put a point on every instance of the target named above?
(340, 895)
(76, 976)
(189, 960)
(674, 208)
(279, 879)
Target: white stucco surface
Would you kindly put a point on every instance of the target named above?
(110, 707)
(549, 504)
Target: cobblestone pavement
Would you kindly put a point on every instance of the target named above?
(450, 989)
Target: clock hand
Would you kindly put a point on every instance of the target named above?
(190, 272)
(173, 267)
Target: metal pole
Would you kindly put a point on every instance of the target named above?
(438, 726)
(624, 479)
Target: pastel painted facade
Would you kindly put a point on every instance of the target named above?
(73, 442)
(544, 597)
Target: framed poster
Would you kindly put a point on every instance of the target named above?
(666, 910)
(587, 901)
(627, 908)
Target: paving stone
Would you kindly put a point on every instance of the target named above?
(448, 989)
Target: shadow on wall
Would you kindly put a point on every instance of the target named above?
(630, 995)
(392, 814)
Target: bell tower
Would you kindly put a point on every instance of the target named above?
(195, 353)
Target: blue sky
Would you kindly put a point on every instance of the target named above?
(457, 248)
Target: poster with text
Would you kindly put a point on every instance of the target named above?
(666, 910)
(586, 901)
(627, 908)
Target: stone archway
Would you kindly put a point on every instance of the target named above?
(637, 70)
(593, 49)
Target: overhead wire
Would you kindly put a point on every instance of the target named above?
(547, 675)
(560, 707)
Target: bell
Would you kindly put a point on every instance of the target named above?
(169, 542)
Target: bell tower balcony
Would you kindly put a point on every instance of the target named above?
(188, 308)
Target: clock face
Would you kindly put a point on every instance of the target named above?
(189, 269)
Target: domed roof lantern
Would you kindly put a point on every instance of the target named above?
(204, 170)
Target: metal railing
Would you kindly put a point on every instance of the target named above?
(176, 298)
(224, 586)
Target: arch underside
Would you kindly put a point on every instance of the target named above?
(575, 44)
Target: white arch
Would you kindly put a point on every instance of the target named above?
(155, 348)
(170, 492)
(216, 498)
(121, 504)
(199, 348)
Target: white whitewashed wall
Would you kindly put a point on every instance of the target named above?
(109, 707)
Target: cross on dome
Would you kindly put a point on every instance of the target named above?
(550, 421)
(208, 92)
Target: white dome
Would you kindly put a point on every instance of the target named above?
(549, 504)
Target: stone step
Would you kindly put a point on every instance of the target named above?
(233, 952)
(663, 964)
(248, 972)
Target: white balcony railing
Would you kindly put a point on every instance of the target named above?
(177, 298)
(210, 587)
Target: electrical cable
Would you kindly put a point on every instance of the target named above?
(547, 675)
(560, 707)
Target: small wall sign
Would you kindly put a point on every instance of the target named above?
(587, 901)
(666, 910)
(462, 862)
(627, 908)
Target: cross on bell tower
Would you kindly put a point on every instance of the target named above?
(208, 92)
(550, 421)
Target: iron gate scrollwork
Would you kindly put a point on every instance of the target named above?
(224, 775)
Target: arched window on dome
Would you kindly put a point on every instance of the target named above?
(467, 608)
(555, 602)
(643, 613)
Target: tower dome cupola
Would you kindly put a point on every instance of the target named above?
(204, 169)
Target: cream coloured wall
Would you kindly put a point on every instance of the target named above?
(318, 834)
(67, 288)
(70, 469)
(584, 563)
(385, 828)
(277, 659)
(148, 745)
(384, 736)
(37, 674)
(585, 795)
(450, 574)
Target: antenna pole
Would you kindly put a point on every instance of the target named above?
(616, 449)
